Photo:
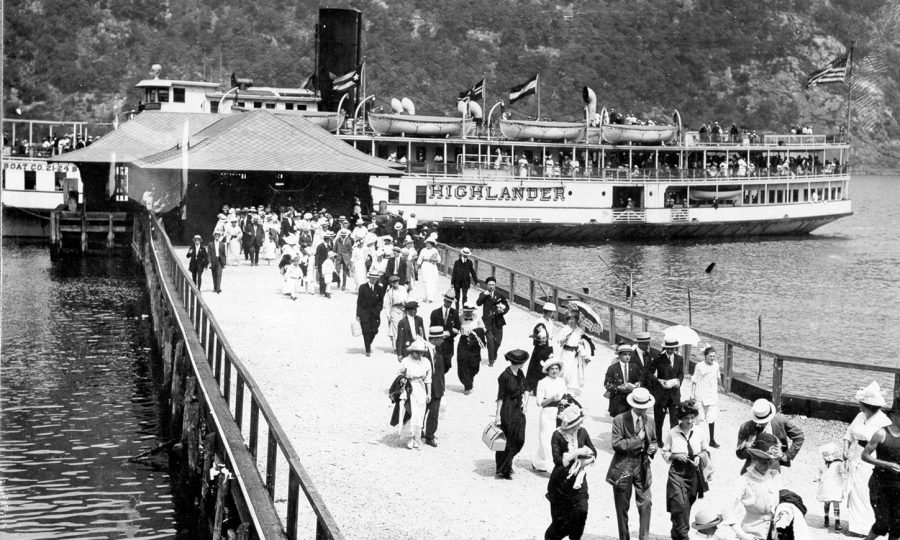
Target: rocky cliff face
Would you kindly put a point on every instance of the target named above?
(742, 62)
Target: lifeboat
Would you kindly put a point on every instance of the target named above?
(324, 119)
(411, 124)
(541, 130)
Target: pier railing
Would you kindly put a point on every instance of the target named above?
(621, 322)
(247, 406)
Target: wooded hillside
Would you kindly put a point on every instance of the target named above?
(743, 62)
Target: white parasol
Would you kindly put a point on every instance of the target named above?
(684, 335)
(589, 320)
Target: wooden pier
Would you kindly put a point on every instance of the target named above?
(88, 232)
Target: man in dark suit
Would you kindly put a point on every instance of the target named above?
(621, 378)
(343, 247)
(287, 222)
(447, 318)
(409, 328)
(765, 417)
(494, 307)
(254, 236)
(438, 384)
(217, 260)
(641, 354)
(463, 276)
(663, 379)
(244, 223)
(634, 445)
(397, 266)
(198, 260)
(368, 309)
(322, 254)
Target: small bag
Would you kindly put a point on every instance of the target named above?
(494, 438)
(356, 329)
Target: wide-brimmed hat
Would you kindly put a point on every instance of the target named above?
(307, 215)
(871, 395)
(331, 254)
(412, 304)
(466, 251)
(450, 294)
(435, 332)
(417, 346)
(373, 273)
(549, 306)
(398, 226)
(705, 519)
(516, 356)
(624, 348)
(762, 411)
(468, 311)
(829, 452)
(671, 344)
(766, 446)
(432, 239)
(221, 216)
(640, 398)
(550, 362)
(570, 417)
(344, 232)
(642, 336)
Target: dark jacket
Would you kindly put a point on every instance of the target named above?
(631, 455)
(788, 434)
(216, 260)
(368, 306)
(406, 335)
(493, 310)
(400, 388)
(452, 325)
(254, 235)
(401, 270)
(343, 247)
(614, 379)
(661, 369)
(198, 258)
(462, 271)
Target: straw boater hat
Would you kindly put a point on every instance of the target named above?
(570, 417)
(550, 362)
(466, 251)
(671, 344)
(360, 222)
(450, 294)
(398, 226)
(766, 446)
(640, 398)
(516, 356)
(706, 519)
(329, 234)
(198, 237)
(468, 312)
(417, 346)
(624, 348)
(371, 226)
(641, 337)
(763, 411)
(373, 274)
(435, 332)
(871, 395)
(549, 306)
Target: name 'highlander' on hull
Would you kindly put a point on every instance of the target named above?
(497, 178)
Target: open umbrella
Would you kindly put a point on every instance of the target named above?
(684, 335)
(589, 320)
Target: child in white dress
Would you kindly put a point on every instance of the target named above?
(705, 381)
(832, 477)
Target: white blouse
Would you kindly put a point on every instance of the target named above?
(706, 383)
(675, 442)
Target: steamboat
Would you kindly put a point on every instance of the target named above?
(498, 178)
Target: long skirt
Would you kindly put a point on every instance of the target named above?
(232, 252)
(417, 406)
(512, 423)
(857, 511)
(468, 363)
(290, 286)
(359, 274)
(570, 372)
(543, 458)
(429, 278)
(395, 315)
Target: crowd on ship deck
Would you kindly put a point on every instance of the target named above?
(49, 146)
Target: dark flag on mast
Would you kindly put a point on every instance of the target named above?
(346, 81)
(835, 72)
(525, 89)
(475, 93)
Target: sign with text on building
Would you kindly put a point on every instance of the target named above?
(16, 165)
(481, 192)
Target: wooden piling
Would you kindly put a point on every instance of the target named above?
(177, 393)
(190, 427)
(221, 501)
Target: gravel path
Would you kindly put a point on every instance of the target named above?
(331, 400)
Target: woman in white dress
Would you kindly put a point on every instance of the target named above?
(311, 283)
(428, 271)
(569, 339)
(379, 263)
(271, 228)
(550, 390)
(394, 300)
(857, 508)
(233, 237)
(417, 371)
(358, 263)
(705, 383)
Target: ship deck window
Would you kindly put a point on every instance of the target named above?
(178, 95)
(289, 106)
(213, 106)
(30, 180)
(257, 104)
(163, 95)
(301, 107)
(240, 103)
(421, 194)
(60, 181)
(270, 105)
(394, 193)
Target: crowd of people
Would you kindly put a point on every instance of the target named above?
(49, 146)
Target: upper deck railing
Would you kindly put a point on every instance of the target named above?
(531, 292)
(238, 387)
(485, 171)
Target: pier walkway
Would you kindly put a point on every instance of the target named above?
(331, 400)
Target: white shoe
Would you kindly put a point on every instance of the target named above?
(410, 444)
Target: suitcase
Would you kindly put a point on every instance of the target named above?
(493, 438)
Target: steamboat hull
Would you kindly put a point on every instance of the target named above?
(487, 233)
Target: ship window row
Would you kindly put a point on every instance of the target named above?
(161, 95)
(29, 181)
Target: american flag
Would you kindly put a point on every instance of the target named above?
(346, 81)
(835, 72)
